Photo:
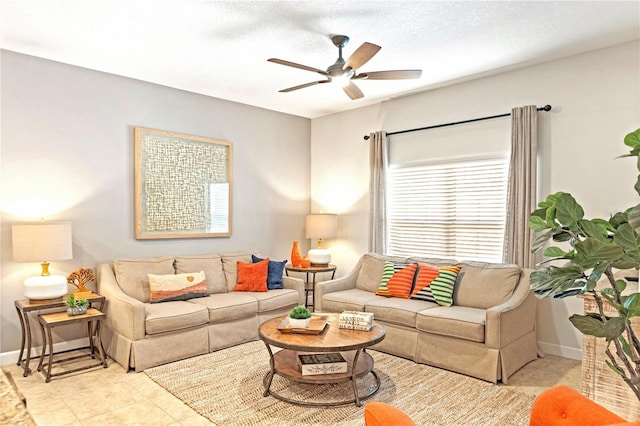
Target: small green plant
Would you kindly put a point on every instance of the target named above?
(300, 312)
(72, 302)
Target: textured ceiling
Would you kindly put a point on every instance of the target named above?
(220, 48)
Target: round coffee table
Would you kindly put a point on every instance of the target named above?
(350, 343)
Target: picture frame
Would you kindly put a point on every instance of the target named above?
(183, 185)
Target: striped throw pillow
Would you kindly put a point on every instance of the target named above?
(440, 290)
(401, 283)
(425, 276)
(387, 273)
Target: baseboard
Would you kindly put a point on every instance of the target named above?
(559, 350)
(11, 357)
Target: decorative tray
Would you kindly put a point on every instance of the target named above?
(316, 325)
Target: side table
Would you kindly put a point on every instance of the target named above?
(24, 307)
(58, 319)
(310, 286)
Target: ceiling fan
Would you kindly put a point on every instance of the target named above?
(344, 72)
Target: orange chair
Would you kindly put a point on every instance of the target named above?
(381, 414)
(563, 406)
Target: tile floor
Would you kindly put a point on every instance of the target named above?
(112, 397)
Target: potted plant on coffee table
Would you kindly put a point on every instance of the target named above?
(299, 317)
(590, 251)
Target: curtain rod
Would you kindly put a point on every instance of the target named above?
(544, 108)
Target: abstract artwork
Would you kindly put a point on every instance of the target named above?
(182, 185)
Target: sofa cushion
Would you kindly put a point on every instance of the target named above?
(274, 273)
(230, 266)
(165, 288)
(132, 274)
(348, 300)
(371, 270)
(171, 316)
(224, 307)
(401, 283)
(484, 285)
(276, 299)
(252, 276)
(396, 310)
(455, 321)
(211, 264)
(440, 289)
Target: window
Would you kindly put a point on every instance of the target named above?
(448, 210)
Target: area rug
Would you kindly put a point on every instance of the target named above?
(226, 388)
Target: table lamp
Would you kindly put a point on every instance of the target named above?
(321, 226)
(42, 242)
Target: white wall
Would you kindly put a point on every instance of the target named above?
(67, 154)
(596, 102)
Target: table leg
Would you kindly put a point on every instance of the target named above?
(268, 378)
(23, 340)
(353, 379)
(26, 333)
(44, 347)
(50, 338)
(90, 331)
(100, 348)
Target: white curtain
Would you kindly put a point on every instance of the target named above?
(378, 161)
(521, 189)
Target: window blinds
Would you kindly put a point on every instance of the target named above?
(448, 210)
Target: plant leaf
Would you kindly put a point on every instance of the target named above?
(613, 328)
(537, 224)
(540, 241)
(632, 304)
(591, 228)
(568, 211)
(590, 252)
(618, 219)
(588, 324)
(633, 217)
(633, 139)
(621, 285)
(550, 201)
(554, 252)
(629, 240)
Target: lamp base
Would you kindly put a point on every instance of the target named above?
(319, 257)
(45, 287)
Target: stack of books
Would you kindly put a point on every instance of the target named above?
(324, 363)
(354, 320)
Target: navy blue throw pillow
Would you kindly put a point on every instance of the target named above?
(274, 274)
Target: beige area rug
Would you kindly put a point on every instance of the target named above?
(226, 388)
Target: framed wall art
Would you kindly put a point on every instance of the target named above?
(183, 185)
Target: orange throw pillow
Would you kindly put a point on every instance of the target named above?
(401, 283)
(426, 275)
(381, 414)
(252, 276)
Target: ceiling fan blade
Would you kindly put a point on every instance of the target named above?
(294, 65)
(353, 91)
(302, 86)
(362, 55)
(390, 75)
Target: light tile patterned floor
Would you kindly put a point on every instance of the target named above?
(112, 397)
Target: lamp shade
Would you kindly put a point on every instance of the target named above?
(41, 242)
(321, 226)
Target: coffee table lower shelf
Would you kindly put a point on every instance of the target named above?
(285, 364)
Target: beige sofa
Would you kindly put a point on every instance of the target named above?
(139, 334)
(488, 332)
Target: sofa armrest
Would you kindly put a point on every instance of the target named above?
(514, 318)
(295, 284)
(125, 315)
(339, 284)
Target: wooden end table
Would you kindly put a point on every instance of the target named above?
(310, 286)
(350, 343)
(58, 319)
(26, 306)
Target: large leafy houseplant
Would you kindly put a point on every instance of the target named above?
(595, 248)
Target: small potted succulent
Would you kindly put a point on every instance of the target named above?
(299, 317)
(76, 306)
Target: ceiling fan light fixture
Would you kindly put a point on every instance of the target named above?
(341, 80)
